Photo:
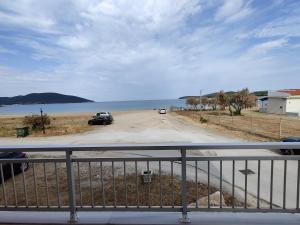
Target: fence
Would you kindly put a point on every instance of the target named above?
(180, 183)
(267, 127)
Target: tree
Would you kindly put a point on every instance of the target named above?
(240, 100)
(213, 103)
(252, 101)
(192, 101)
(36, 121)
(204, 102)
(221, 99)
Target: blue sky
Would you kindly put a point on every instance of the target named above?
(121, 50)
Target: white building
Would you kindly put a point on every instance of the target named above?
(282, 102)
(262, 103)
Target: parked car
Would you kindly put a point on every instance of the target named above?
(103, 114)
(290, 151)
(17, 167)
(162, 111)
(101, 118)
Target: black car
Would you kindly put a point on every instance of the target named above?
(101, 119)
(17, 167)
(290, 151)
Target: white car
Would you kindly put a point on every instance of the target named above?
(162, 111)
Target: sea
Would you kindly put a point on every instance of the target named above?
(91, 106)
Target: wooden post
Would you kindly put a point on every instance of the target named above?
(219, 118)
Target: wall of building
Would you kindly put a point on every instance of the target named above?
(276, 105)
(293, 105)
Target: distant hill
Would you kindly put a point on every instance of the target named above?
(260, 93)
(212, 95)
(41, 98)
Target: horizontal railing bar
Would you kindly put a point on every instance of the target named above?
(167, 159)
(33, 160)
(129, 208)
(34, 208)
(231, 158)
(164, 146)
(248, 210)
(146, 208)
(140, 159)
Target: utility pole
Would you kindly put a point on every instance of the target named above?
(42, 121)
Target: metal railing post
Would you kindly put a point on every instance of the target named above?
(184, 202)
(71, 188)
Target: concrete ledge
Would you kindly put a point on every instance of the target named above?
(199, 218)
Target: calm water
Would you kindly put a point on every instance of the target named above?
(91, 106)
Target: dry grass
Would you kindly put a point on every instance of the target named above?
(251, 125)
(60, 125)
(85, 197)
(8, 126)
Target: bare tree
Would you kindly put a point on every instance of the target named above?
(213, 103)
(222, 100)
(204, 102)
(252, 101)
(240, 100)
(192, 101)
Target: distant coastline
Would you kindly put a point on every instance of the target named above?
(41, 98)
(91, 107)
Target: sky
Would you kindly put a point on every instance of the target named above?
(152, 49)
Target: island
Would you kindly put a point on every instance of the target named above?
(41, 98)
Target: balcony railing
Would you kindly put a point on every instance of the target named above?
(180, 182)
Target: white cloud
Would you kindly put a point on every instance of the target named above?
(264, 47)
(73, 42)
(233, 10)
(107, 8)
(27, 14)
(288, 27)
(154, 15)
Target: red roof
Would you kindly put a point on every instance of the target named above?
(291, 91)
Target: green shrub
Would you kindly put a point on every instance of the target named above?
(35, 121)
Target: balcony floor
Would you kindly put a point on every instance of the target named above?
(148, 218)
